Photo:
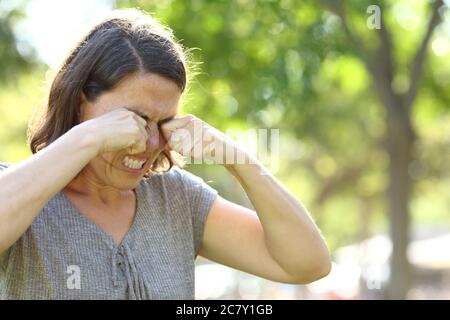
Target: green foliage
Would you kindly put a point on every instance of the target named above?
(12, 60)
(18, 100)
(290, 65)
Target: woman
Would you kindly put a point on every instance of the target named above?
(99, 211)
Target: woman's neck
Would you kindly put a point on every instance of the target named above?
(89, 186)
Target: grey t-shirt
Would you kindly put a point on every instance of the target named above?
(63, 255)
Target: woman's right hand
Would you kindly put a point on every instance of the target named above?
(116, 130)
(53, 167)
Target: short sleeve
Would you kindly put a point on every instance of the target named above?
(4, 165)
(200, 196)
(4, 255)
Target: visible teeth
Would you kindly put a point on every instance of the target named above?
(133, 163)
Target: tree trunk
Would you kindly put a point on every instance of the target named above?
(400, 139)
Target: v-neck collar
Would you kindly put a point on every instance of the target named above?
(129, 236)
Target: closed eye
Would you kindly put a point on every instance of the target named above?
(140, 114)
(161, 122)
(148, 119)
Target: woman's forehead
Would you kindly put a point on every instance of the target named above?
(150, 84)
(150, 94)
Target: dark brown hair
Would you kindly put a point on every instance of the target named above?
(126, 42)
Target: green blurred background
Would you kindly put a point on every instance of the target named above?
(363, 116)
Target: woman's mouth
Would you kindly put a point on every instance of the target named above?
(133, 163)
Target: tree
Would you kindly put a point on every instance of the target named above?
(400, 135)
(11, 60)
(299, 66)
(342, 95)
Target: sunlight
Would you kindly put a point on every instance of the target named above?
(53, 26)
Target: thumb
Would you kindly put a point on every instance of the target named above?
(170, 126)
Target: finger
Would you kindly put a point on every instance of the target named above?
(177, 123)
(197, 147)
(178, 136)
(140, 120)
(135, 115)
(141, 143)
(186, 146)
(138, 147)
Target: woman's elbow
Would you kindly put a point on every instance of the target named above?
(322, 269)
(315, 270)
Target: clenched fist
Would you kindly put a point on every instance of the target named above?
(194, 138)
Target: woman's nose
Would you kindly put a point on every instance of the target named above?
(153, 136)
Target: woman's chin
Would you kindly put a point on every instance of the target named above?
(124, 184)
(128, 178)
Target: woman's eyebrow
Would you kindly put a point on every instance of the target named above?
(147, 117)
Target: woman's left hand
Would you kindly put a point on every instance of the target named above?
(192, 137)
(278, 241)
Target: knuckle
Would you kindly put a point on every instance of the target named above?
(136, 134)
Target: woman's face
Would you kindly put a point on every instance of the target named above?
(150, 95)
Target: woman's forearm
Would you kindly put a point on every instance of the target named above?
(26, 187)
(291, 236)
